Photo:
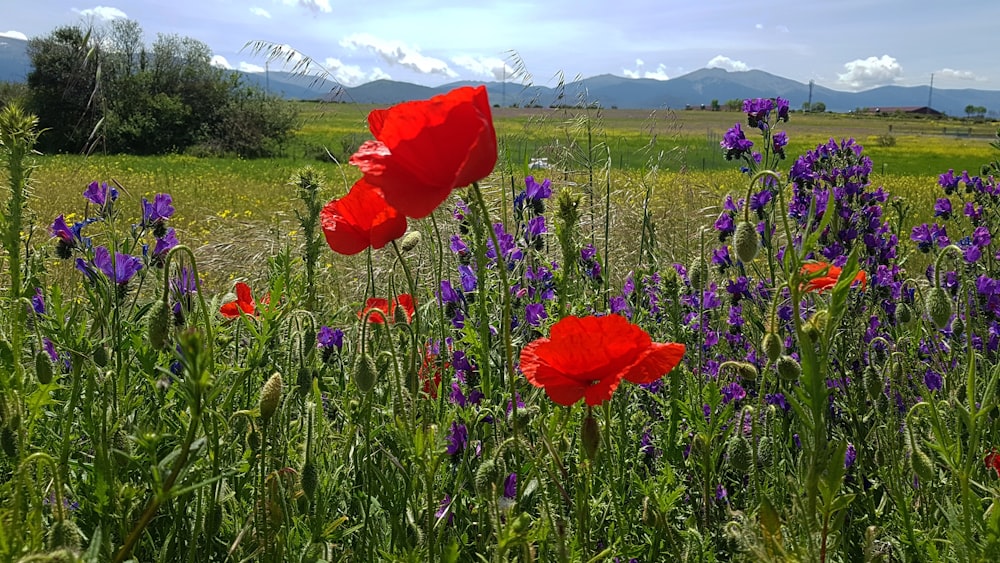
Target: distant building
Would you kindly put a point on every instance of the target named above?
(912, 110)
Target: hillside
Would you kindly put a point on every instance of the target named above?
(696, 88)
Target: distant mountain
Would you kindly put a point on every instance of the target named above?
(14, 61)
(696, 88)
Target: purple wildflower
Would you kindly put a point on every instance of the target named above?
(534, 314)
(121, 270)
(329, 337)
(157, 211)
(38, 301)
(458, 438)
(850, 454)
(99, 194)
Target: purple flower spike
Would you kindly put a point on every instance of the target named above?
(121, 270)
(458, 438)
(38, 301)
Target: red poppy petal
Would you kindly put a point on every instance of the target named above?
(655, 362)
(379, 303)
(601, 391)
(591, 348)
(424, 149)
(360, 219)
(243, 294)
(230, 310)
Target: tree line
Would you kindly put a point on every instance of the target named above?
(105, 90)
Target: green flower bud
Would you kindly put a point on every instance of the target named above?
(772, 346)
(365, 373)
(788, 368)
(874, 383)
(63, 534)
(270, 396)
(740, 454)
(8, 442)
(304, 380)
(310, 479)
(43, 367)
(159, 325)
(591, 437)
(410, 241)
(100, 355)
(904, 314)
(938, 306)
(746, 242)
(922, 464)
(957, 327)
(698, 274)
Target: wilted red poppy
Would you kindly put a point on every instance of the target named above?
(588, 357)
(360, 219)
(992, 461)
(404, 300)
(430, 373)
(244, 303)
(424, 149)
(826, 276)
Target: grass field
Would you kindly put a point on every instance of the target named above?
(237, 212)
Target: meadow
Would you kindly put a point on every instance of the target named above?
(693, 336)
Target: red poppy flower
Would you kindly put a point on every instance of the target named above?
(992, 461)
(588, 357)
(404, 300)
(826, 276)
(244, 303)
(361, 219)
(431, 365)
(425, 149)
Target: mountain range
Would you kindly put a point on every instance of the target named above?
(693, 89)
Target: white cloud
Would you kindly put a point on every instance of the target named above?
(247, 67)
(485, 66)
(952, 73)
(314, 6)
(398, 53)
(726, 63)
(871, 72)
(103, 13)
(759, 26)
(659, 74)
(14, 35)
(378, 74)
(260, 12)
(221, 62)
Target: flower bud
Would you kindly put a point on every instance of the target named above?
(43, 367)
(304, 380)
(746, 370)
(772, 346)
(922, 464)
(745, 242)
(270, 396)
(957, 327)
(159, 325)
(740, 455)
(904, 314)
(591, 437)
(100, 355)
(310, 479)
(698, 274)
(365, 373)
(8, 442)
(410, 241)
(788, 368)
(874, 383)
(63, 534)
(938, 306)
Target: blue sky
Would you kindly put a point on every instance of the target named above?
(845, 45)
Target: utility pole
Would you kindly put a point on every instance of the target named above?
(267, 79)
(811, 82)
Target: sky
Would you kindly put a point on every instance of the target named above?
(848, 45)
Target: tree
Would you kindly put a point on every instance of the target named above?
(818, 107)
(63, 85)
(128, 97)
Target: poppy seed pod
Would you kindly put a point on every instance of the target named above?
(746, 370)
(957, 327)
(43, 367)
(746, 242)
(159, 325)
(788, 368)
(938, 307)
(772, 346)
(874, 383)
(100, 356)
(365, 373)
(591, 437)
(410, 241)
(304, 381)
(270, 396)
